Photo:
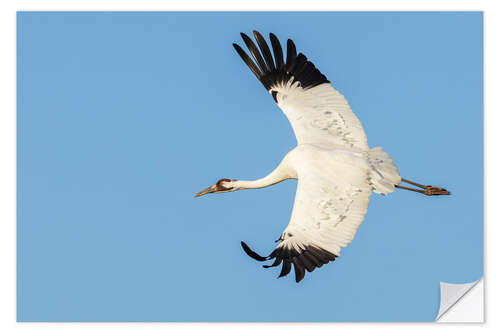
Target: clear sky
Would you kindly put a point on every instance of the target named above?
(123, 117)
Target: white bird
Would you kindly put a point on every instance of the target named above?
(335, 168)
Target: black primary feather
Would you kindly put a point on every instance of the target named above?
(248, 61)
(278, 52)
(265, 50)
(251, 253)
(276, 262)
(291, 54)
(273, 72)
(286, 268)
(307, 263)
(313, 259)
(318, 254)
(302, 260)
(255, 53)
(299, 269)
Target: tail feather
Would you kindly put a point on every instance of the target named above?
(383, 174)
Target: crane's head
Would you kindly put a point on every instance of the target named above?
(223, 185)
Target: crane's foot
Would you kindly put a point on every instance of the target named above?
(425, 189)
(433, 190)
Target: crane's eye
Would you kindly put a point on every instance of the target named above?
(220, 184)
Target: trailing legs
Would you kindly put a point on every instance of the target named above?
(425, 189)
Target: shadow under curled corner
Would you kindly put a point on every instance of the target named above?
(461, 302)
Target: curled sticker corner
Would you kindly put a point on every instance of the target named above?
(451, 293)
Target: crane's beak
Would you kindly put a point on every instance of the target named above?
(210, 189)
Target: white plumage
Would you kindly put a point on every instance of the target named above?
(335, 168)
(321, 116)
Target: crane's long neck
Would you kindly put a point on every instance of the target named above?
(259, 183)
(279, 174)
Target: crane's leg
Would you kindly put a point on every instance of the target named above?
(426, 189)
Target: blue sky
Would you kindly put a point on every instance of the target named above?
(122, 117)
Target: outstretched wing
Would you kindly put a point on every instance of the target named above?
(318, 113)
(326, 215)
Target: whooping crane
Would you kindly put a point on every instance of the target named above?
(335, 168)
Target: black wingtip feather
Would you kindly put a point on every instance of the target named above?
(272, 72)
(307, 258)
(255, 53)
(247, 60)
(278, 52)
(308, 264)
(299, 269)
(265, 50)
(286, 268)
(291, 54)
(252, 253)
(276, 262)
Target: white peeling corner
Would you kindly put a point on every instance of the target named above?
(461, 302)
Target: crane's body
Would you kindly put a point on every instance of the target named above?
(335, 168)
(329, 180)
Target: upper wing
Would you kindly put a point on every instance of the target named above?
(325, 217)
(318, 113)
